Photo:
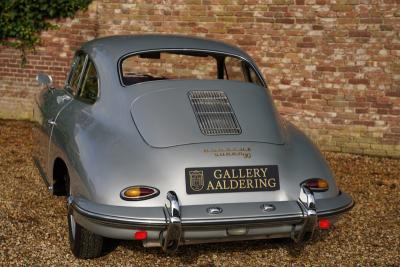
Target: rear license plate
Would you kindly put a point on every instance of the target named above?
(231, 179)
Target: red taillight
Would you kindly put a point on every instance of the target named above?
(140, 235)
(324, 224)
(317, 184)
(139, 193)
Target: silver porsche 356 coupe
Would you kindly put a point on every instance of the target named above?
(175, 140)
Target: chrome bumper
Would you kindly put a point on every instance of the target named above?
(167, 228)
(172, 235)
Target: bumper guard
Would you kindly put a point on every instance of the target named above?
(170, 238)
(306, 202)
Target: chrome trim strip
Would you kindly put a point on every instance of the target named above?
(337, 211)
(161, 223)
(247, 60)
(114, 219)
(42, 174)
(245, 220)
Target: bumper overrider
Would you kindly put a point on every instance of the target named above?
(173, 225)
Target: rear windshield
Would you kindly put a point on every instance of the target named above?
(165, 65)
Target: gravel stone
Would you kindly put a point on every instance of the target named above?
(33, 225)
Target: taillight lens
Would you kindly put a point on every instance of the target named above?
(140, 235)
(324, 224)
(317, 184)
(139, 192)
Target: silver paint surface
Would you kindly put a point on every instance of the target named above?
(147, 134)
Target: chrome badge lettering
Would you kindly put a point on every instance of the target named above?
(244, 152)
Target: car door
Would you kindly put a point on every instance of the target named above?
(54, 101)
(48, 104)
(75, 117)
(45, 109)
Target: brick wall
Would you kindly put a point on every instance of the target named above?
(333, 67)
(18, 85)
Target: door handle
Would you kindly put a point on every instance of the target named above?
(51, 122)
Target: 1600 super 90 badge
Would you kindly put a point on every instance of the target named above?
(196, 180)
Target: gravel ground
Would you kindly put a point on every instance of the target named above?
(33, 226)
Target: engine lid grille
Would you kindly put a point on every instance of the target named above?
(214, 113)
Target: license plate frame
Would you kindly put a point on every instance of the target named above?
(232, 179)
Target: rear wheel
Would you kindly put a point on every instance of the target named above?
(84, 243)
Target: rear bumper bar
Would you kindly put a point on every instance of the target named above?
(168, 228)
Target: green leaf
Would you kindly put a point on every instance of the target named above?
(21, 21)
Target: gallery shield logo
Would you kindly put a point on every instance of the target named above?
(196, 180)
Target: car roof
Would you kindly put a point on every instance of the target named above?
(120, 45)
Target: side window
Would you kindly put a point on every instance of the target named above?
(233, 69)
(254, 78)
(89, 89)
(76, 70)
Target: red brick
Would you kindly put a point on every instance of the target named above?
(361, 110)
(386, 27)
(341, 8)
(278, 8)
(392, 46)
(317, 27)
(366, 123)
(326, 68)
(349, 69)
(394, 93)
(359, 34)
(284, 21)
(371, 21)
(359, 81)
(306, 45)
(395, 136)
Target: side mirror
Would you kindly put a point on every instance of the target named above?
(45, 79)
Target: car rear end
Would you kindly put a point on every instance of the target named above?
(190, 159)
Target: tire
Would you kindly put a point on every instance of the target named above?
(84, 244)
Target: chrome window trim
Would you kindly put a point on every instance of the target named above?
(68, 80)
(84, 72)
(122, 58)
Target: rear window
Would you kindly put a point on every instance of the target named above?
(193, 65)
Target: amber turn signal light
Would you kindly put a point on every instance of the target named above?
(139, 192)
(317, 184)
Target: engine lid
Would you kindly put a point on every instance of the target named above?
(172, 113)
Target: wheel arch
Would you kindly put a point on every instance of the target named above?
(60, 174)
